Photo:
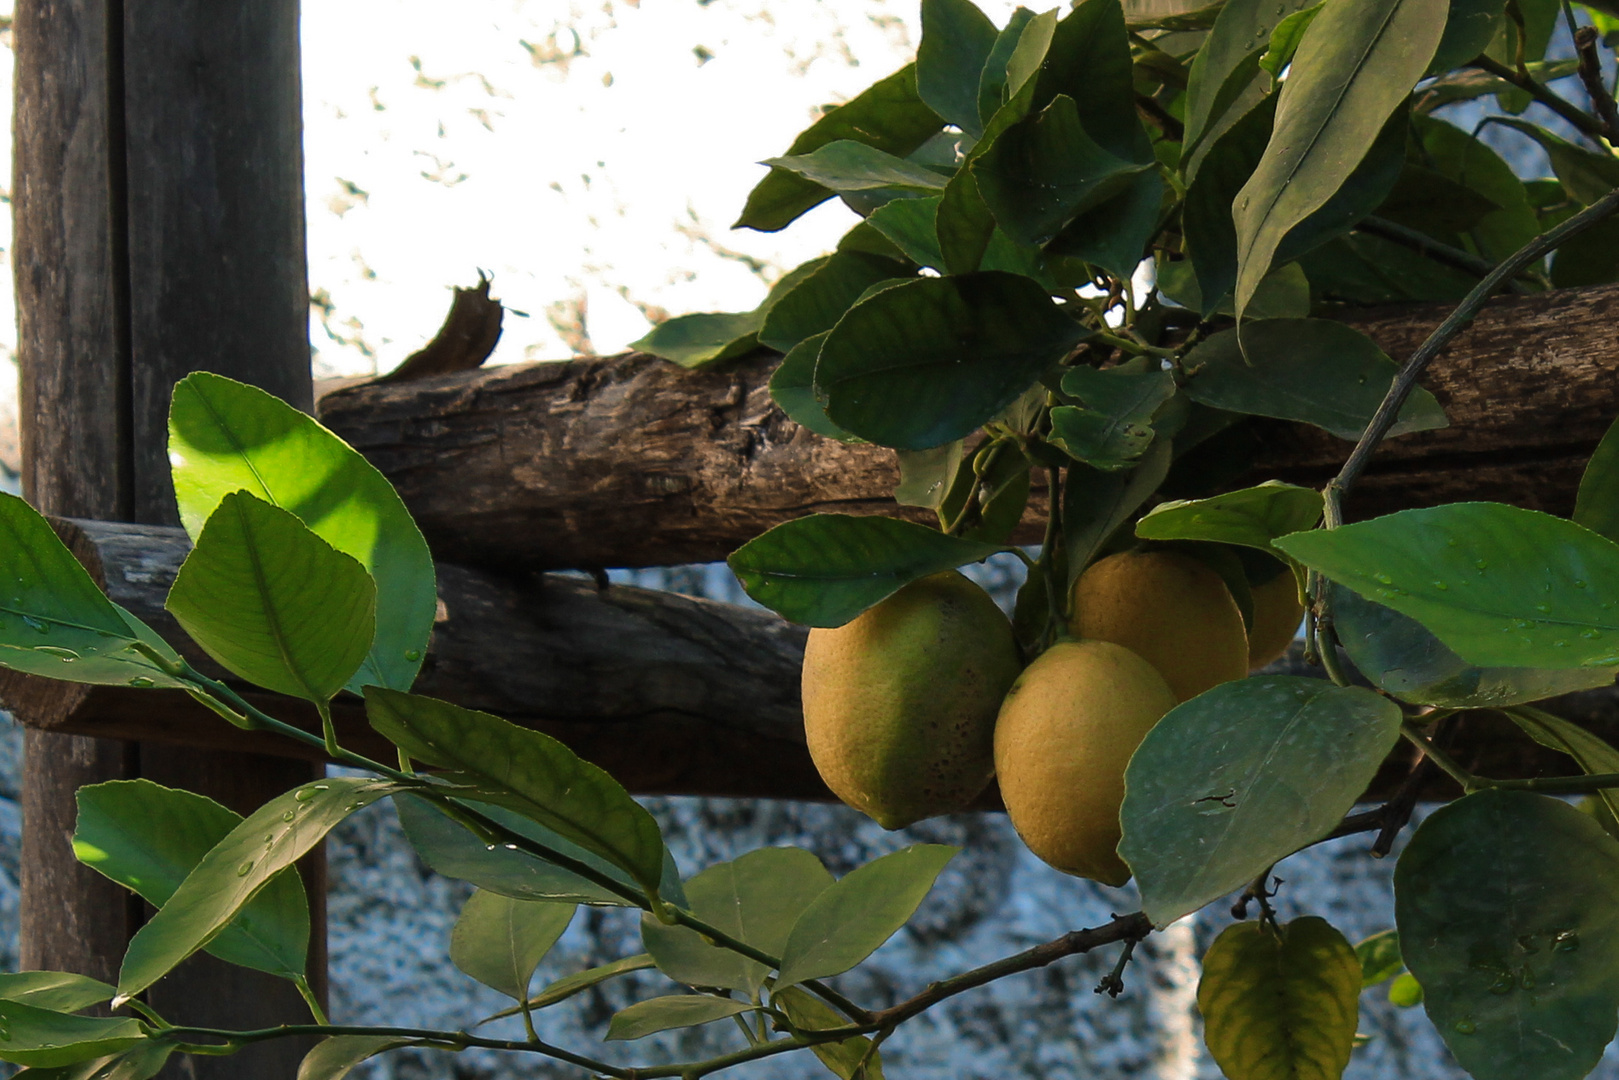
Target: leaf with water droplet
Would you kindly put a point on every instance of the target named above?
(42, 1039)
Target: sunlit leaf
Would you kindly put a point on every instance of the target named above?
(500, 941)
(1251, 517)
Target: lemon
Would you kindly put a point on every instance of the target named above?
(1277, 612)
(900, 704)
(1065, 734)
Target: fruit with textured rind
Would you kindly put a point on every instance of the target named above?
(1277, 613)
(900, 704)
(1065, 734)
(1171, 610)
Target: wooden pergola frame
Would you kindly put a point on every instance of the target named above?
(158, 200)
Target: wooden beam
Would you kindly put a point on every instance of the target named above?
(631, 461)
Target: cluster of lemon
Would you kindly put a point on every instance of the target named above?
(911, 709)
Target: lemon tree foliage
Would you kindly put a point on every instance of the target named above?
(1093, 251)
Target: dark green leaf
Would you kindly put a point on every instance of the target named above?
(1539, 18)
(890, 116)
(500, 941)
(1317, 371)
(695, 341)
(756, 899)
(1469, 26)
(236, 869)
(1280, 1002)
(956, 41)
(1210, 233)
(817, 302)
(1597, 505)
(1399, 656)
(1284, 40)
(1365, 269)
(1252, 517)
(58, 991)
(926, 476)
(496, 761)
(1367, 186)
(1096, 504)
(847, 165)
(1355, 66)
(1379, 957)
(849, 920)
(963, 225)
(273, 602)
(149, 838)
(1241, 776)
(335, 1057)
(675, 1011)
(930, 360)
(1504, 904)
(1431, 202)
(140, 1062)
(910, 224)
(825, 569)
(793, 388)
(1591, 258)
(1114, 235)
(992, 81)
(1590, 752)
(1225, 81)
(1585, 176)
(226, 436)
(851, 1059)
(1089, 60)
(1112, 426)
(1503, 587)
(41, 1038)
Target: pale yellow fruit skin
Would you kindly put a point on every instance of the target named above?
(900, 704)
(1065, 734)
(1169, 609)
(1277, 612)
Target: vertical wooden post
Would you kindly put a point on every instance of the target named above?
(158, 201)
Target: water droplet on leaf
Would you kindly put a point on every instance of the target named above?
(245, 869)
(141, 682)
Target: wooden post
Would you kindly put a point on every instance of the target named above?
(158, 201)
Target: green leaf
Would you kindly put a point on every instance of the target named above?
(1398, 655)
(454, 852)
(931, 360)
(756, 899)
(816, 303)
(1225, 80)
(236, 869)
(1597, 504)
(58, 991)
(1316, 371)
(1356, 64)
(849, 920)
(825, 569)
(850, 1059)
(1043, 171)
(1280, 1002)
(963, 225)
(226, 436)
(1251, 517)
(674, 1011)
(56, 621)
(335, 1057)
(792, 387)
(1284, 40)
(1096, 503)
(703, 339)
(1241, 776)
(1501, 586)
(910, 224)
(1504, 904)
(889, 116)
(1470, 162)
(1114, 235)
(1591, 753)
(1469, 26)
(500, 941)
(1379, 957)
(1089, 60)
(1112, 427)
(496, 761)
(273, 602)
(149, 838)
(956, 42)
(994, 81)
(926, 476)
(140, 1062)
(40, 1038)
(1591, 258)
(580, 981)
(847, 165)
(1585, 175)
(1405, 992)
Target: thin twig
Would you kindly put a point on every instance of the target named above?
(1585, 44)
(1112, 983)
(1582, 120)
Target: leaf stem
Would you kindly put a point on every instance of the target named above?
(307, 992)
(1446, 763)
(1582, 120)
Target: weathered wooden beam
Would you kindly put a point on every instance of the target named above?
(631, 461)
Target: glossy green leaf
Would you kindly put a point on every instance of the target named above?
(1398, 655)
(42, 1038)
(527, 771)
(1095, 504)
(1046, 169)
(1590, 752)
(1597, 505)
(1469, 26)
(849, 920)
(500, 941)
(674, 1011)
(1225, 80)
(1468, 161)
(1503, 587)
(336, 1056)
(962, 225)
(816, 303)
(58, 991)
(756, 899)
(149, 838)
(702, 339)
(1241, 776)
(825, 569)
(1379, 957)
(140, 1062)
(1504, 904)
(890, 116)
(1585, 175)
(792, 387)
(1285, 38)
(1115, 234)
(912, 226)
(956, 42)
(926, 476)
(931, 360)
(1089, 60)
(455, 852)
(1280, 1003)
(1356, 64)
(56, 621)
(993, 80)
(851, 1059)
(226, 436)
(1251, 517)
(273, 602)
(237, 869)
(847, 165)
(1368, 185)
(1112, 425)
(1316, 371)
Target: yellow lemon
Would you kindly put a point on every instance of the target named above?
(1277, 612)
